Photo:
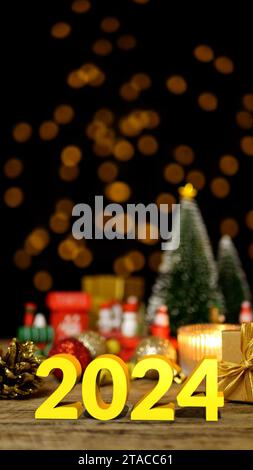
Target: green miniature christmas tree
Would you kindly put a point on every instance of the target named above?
(188, 281)
(232, 279)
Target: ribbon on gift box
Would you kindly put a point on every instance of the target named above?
(231, 374)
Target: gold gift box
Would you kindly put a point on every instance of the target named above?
(235, 370)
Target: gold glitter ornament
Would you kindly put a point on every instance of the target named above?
(95, 343)
(18, 369)
(153, 345)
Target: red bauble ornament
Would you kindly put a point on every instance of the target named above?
(74, 347)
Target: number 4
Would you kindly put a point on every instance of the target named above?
(213, 399)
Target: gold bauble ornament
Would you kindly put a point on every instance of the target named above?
(154, 345)
(113, 346)
(95, 343)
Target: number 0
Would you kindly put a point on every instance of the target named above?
(92, 399)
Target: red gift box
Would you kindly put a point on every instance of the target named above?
(68, 313)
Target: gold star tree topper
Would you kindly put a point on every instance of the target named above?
(187, 191)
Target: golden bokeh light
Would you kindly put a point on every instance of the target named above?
(196, 178)
(173, 173)
(153, 119)
(64, 114)
(104, 147)
(128, 92)
(141, 81)
(154, 260)
(48, 130)
(110, 24)
(220, 187)
(123, 150)
(208, 101)
(83, 258)
(247, 101)
(147, 145)
(126, 42)
(96, 129)
(22, 132)
(104, 115)
(229, 227)
(81, 6)
(39, 239)
(249, 219)
(118, 191)
(64, 205)
(120, 267)
(247, 145)
(29, 249)
(68, 249)
(229, 165)
(165, 198)
(71, 155)
(250, 250)
(203, 53)
(102, 47)
(13, 168)
(13, 197)
(176, 84)
(22, 259)
(108, 172)
(184, 154)
(59, 222)
(148, 233)
(74, 80)
(43, 281)
(60, 30)
(69, 173)
(224, 65)
(244, 119)
(135, 261)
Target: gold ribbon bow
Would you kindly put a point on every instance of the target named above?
(231, 374)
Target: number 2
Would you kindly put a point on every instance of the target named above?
(144, 409)
(71, 368)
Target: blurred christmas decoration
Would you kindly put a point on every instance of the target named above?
(236, 367)
(160, 326)
(94, 342)
(246, 314)
(71, 346)
(35, 329)
(113, 346)
(110, 289)
(232, 279)
(188, 281)
(154, 345)
(68, 313)
(18, 369)
(163, 347)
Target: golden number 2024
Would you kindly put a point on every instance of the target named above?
(146, 408)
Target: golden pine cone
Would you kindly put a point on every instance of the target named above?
(18, 369)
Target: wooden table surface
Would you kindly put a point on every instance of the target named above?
(20, 430)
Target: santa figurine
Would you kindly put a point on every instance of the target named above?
(129, 324)
(161, 324)
(105, 318)
(246, 315)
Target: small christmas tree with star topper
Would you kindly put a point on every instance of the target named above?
(232, 279)
(188, 281)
